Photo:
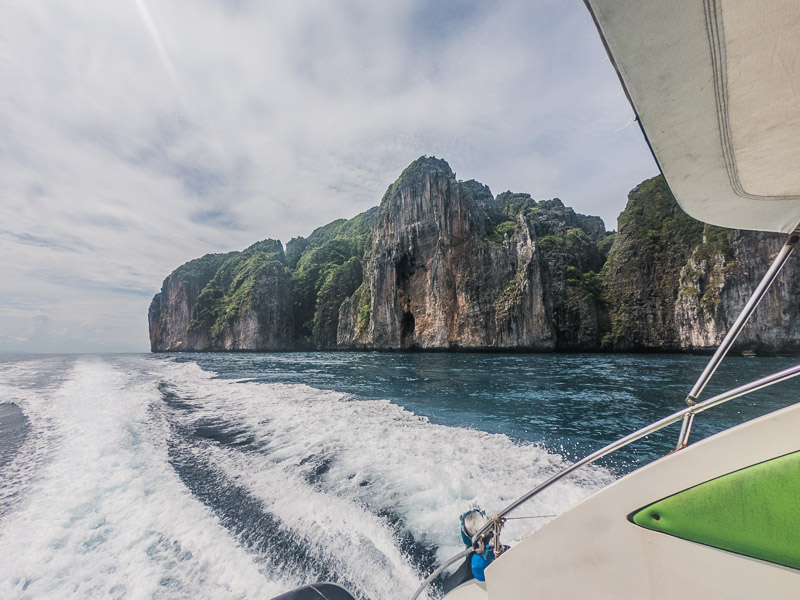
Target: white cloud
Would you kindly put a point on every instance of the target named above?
(136, 135)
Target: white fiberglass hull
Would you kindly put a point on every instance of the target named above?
(594, 550)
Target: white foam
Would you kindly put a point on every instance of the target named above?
(425, 473)
(106, 515)
(103, 512)
(22, 383)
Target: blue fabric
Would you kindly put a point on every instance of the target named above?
(467, 539)
(480, 562)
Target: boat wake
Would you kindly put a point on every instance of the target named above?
(141, 476)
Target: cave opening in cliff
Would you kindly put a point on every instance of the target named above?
(404, 269)
(407, 324)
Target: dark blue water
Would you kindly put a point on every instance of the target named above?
(573, 404)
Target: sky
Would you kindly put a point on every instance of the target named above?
(136, 135)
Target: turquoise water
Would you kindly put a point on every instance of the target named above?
(573, 404)
(245, 475)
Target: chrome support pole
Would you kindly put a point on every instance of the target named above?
(733, 332)
(686, 428)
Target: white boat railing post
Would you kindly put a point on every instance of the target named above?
(733, 332)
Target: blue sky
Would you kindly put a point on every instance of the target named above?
(136, 135)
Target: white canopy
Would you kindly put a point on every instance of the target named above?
(716, 86)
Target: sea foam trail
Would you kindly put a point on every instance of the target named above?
(145, 477)
(105, 514)
(26, 385)
(365, 484)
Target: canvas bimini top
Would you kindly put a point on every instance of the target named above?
(716, 87)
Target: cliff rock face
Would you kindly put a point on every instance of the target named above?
(654, 241)
(574, 249)
(442, 264)
(432, 282)
(676, 284)
(235, 301)
(715, 286)
(451, 267)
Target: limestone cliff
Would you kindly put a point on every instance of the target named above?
(234, 301)
(715, 284)
(675, 284)
(442, 264)
(433, 280)
(452, 267)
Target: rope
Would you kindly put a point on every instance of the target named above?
(531, 517)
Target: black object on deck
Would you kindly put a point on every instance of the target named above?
(317, 591)
(462, 575)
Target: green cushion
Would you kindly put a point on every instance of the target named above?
(754, 511)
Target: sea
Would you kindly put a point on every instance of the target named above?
(245, 475)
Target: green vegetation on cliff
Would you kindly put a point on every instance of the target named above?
(655, 223)
(654, 219)
(591, 283)
(497, 233)
(363, 299)
(230, 291)
(511, 205)
(339, 284)
(325, 273)
(200, 271)
(648, 267)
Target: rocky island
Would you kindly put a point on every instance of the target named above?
(443, 264)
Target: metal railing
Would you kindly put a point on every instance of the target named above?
(748, 388)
